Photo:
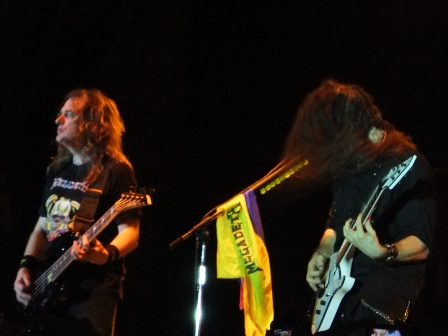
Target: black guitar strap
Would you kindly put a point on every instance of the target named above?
(89, 202)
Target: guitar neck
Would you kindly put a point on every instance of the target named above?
(53, 272)
(100, 224)
(127, 201)
(366, 212)
(338, 279)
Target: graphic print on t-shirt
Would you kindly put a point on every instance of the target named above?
(60, 213)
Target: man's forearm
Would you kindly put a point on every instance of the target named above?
(326, 245)
(127, 239)
(36, 245)
(411, 249)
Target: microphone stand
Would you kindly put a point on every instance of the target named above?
(201, 239)
(278, 174)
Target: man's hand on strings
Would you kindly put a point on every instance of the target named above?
(23, 286)
(315, 271)
(318, 263)
(364, 238)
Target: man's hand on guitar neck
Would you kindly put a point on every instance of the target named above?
(125, 242)
(364, 238)
(93, 252)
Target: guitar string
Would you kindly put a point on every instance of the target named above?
(66, 258)
(63, 261)
(396, 174)
(346, 244)
(394, 171)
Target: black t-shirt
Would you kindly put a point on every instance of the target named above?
(63, 193)
(409, 209)
(61, 200)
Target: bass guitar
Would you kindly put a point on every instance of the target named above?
(45, 287)
(337, 280)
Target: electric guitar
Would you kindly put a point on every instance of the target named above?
(337, 280)
(45, 286)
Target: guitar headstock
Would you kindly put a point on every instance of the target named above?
(398, 172)
(137, 197)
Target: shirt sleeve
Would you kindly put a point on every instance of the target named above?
(122, 180)
(45, 192)
(415, 205)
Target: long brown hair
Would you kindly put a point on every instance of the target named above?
(331, 131)
(101, 130)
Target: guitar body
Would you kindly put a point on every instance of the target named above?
(55, 290)
(39, 313)
(337, 283)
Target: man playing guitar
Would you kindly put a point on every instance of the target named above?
(89, 130)
(342, 133)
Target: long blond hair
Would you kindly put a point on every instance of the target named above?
(101, 129)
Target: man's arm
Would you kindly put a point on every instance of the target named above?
(35, 248)
(411, 249)
(326, 245)
(36, 245)
(365, 239)
(127, 239)
(125, 242)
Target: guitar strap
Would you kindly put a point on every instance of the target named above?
(84, 217)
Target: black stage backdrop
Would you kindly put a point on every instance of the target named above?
(208, 91)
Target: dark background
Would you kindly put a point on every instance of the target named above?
(208, 91)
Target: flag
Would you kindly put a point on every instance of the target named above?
(242, 254)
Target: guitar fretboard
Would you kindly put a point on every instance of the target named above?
(366, 211)
(59, 266)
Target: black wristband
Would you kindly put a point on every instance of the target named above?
(114, 254)
(30, 262)
(392, 253)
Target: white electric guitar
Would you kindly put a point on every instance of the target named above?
(337, 280)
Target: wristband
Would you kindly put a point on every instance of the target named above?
(392, 253)
(30, 262)
(114, 254)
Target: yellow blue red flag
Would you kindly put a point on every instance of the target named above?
(242, 254)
